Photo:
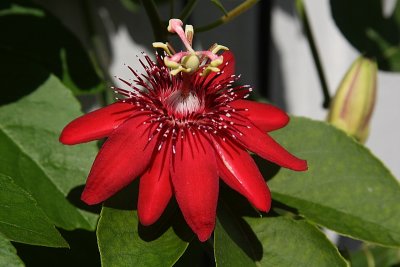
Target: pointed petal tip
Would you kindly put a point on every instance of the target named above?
(262, 202)
(264, 205)
(204, 234)
(299, 165)
(149, 214)
(90, 198)
(147, 219)
(268, 208)
(66, 139)
(70, 135)
(283, 119)
(202, 227)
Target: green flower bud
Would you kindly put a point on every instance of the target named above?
(353, 104)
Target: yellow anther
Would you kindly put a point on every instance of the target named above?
(179, 69)
(189, 32)
(208, 70)
(217, 62)
(162, 46)
(217, 48)
(171, 64)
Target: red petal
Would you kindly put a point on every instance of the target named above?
(155, 189)
(195, 180)
(265, 116)
(238, 170)
(227, 67)
(95, 125)
(124, 156)
(266, 147)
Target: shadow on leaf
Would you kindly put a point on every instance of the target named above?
(82, 252)
(230, 215)
(127, 198)
(74, 197)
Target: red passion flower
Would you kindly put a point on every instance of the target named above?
(180, 126)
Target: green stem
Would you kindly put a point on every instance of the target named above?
(301, 10)
(187, 10)
(159, 30)
(229, 16)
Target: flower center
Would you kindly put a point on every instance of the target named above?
(189, 61)
(182, 104)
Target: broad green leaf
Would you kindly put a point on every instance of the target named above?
(8, 254)
(287, 242)
(31, 154)
(270, 241)
(232, 241)
(227, 252)
(346, 188)
(363, 24)
(121, 244)
(32, 34)
(371, 256)
(22, 220)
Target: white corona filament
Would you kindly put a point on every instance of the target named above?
(184, 105)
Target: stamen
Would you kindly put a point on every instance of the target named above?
(163, 46)
(217, 48)
(189, 32)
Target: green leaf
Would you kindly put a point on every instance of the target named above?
(22, 220)
(120, 242)
(33, 157)
(363, 24)
(277, 241)
(345, 189)
(8, 254)
(288, 242)
(371, 256)
(234, 244)
(31, 34)
(123, 241)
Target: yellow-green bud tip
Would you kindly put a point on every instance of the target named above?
(353, 103)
